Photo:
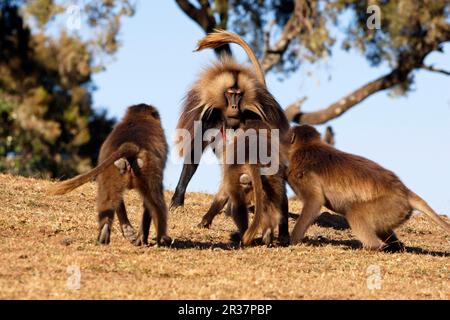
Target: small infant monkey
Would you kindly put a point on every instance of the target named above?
(132, 157)
(373, 199)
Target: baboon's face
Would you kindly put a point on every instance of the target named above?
(230, 96)
(233, 109)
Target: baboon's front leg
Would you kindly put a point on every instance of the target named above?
(220, 199)
(310, 212)
(186, 175)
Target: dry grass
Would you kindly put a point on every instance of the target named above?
(41, 236)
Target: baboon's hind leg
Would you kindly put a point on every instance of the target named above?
(144, 229)
(154, 201)
(283, 227)
(364, 231)
(105, 220)
(108, 201)
(127, 229)
(240, 217)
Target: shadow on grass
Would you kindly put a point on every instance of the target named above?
(338, 222)
(327, 220)
(356, 245)
(190, 244)
(416, 250)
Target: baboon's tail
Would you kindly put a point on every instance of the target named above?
(220, 37)
(258, 199)
(419, 204)
(126, 150)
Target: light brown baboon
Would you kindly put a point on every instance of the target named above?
(132, 157)
(245, 185)
(373, 199)
(226, 95)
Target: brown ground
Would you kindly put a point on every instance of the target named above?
(42, 236)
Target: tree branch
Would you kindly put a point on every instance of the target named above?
(433, 69)
(338, 108)
(273, 55)
(204, 17)
(407, 62)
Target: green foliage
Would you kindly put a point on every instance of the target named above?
(408, 27)
(47, 124)
(405, 26)
(253, 18)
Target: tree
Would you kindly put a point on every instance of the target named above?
(287, 32)
(47, 123)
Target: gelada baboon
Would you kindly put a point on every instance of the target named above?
(132, 157)
(225, 96)
(373, 199)
(245, 184)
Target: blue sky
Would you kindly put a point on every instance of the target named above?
(408, 135)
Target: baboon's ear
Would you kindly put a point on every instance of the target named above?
(155, 115)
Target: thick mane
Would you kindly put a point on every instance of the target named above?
(206, 101)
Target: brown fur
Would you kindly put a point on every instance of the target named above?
(373, 199)
(245, 186)
(140, 139)
(206, 101)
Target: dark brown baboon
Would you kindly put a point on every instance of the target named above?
(225, 96)
(246, 185)
(132, 157)
(373, 199)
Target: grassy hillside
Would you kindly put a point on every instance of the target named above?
(42, 236)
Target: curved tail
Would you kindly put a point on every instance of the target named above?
(258, 199)
(419, 204)
(126, 150)
(220, 37)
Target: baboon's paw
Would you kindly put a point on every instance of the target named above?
(177, 202)
(104, 235)
(235, 237)
(164, 241)
(394, 247)
(140, 241)
(204, 224)
(267, 237)
(284, 241)
(295, 241)
(129, 233)
(176, 210)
